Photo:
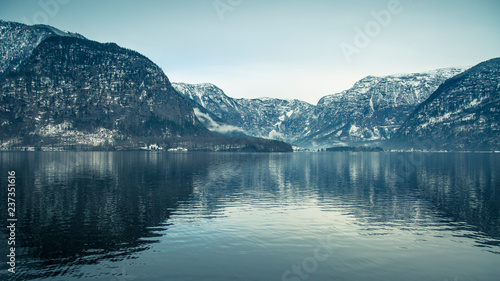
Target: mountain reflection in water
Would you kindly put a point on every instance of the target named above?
(78, 211)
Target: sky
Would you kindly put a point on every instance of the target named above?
(294, 49)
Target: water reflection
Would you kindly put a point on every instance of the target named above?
(84, 208)
(465, 188)
(79, 208)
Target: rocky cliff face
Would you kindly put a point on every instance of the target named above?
(463, 114)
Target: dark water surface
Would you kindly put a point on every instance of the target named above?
(234, 216)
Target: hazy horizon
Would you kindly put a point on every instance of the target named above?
(295, 49)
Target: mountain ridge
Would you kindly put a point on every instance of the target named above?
(63, 89)
(462, 114)
(19, 40)
(313, 126)
(74, 93)
(267, 117)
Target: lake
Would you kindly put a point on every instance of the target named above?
(252, 216)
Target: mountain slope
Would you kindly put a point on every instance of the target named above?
(218, 112)
(266, 117)
(373, 109)
(78, 92)
(463, 114)
(280, 119)
(59, 90)
(17, 42)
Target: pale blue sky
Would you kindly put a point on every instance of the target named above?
(283, 49)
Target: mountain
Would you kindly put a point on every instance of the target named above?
(58, 89)
(218, 112)
(74, 93)
(462, 114)
(279, 119)
(264, 118)
(373, 109)
(83, 92)
(19, 40)
(369, 112)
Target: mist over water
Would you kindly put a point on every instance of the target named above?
(254, 216)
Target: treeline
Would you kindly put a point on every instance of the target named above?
(354, 149)
(230, 145)
(215, 144)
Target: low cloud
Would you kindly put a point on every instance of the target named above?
(212, 125)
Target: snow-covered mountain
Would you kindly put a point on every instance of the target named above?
(63, 89)
(67, 92)
(218, 112)
(463, 114)
(19, 40)
(266, 117)
(74, 91)
(371, 111)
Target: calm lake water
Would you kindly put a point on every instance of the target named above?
(235, 216)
